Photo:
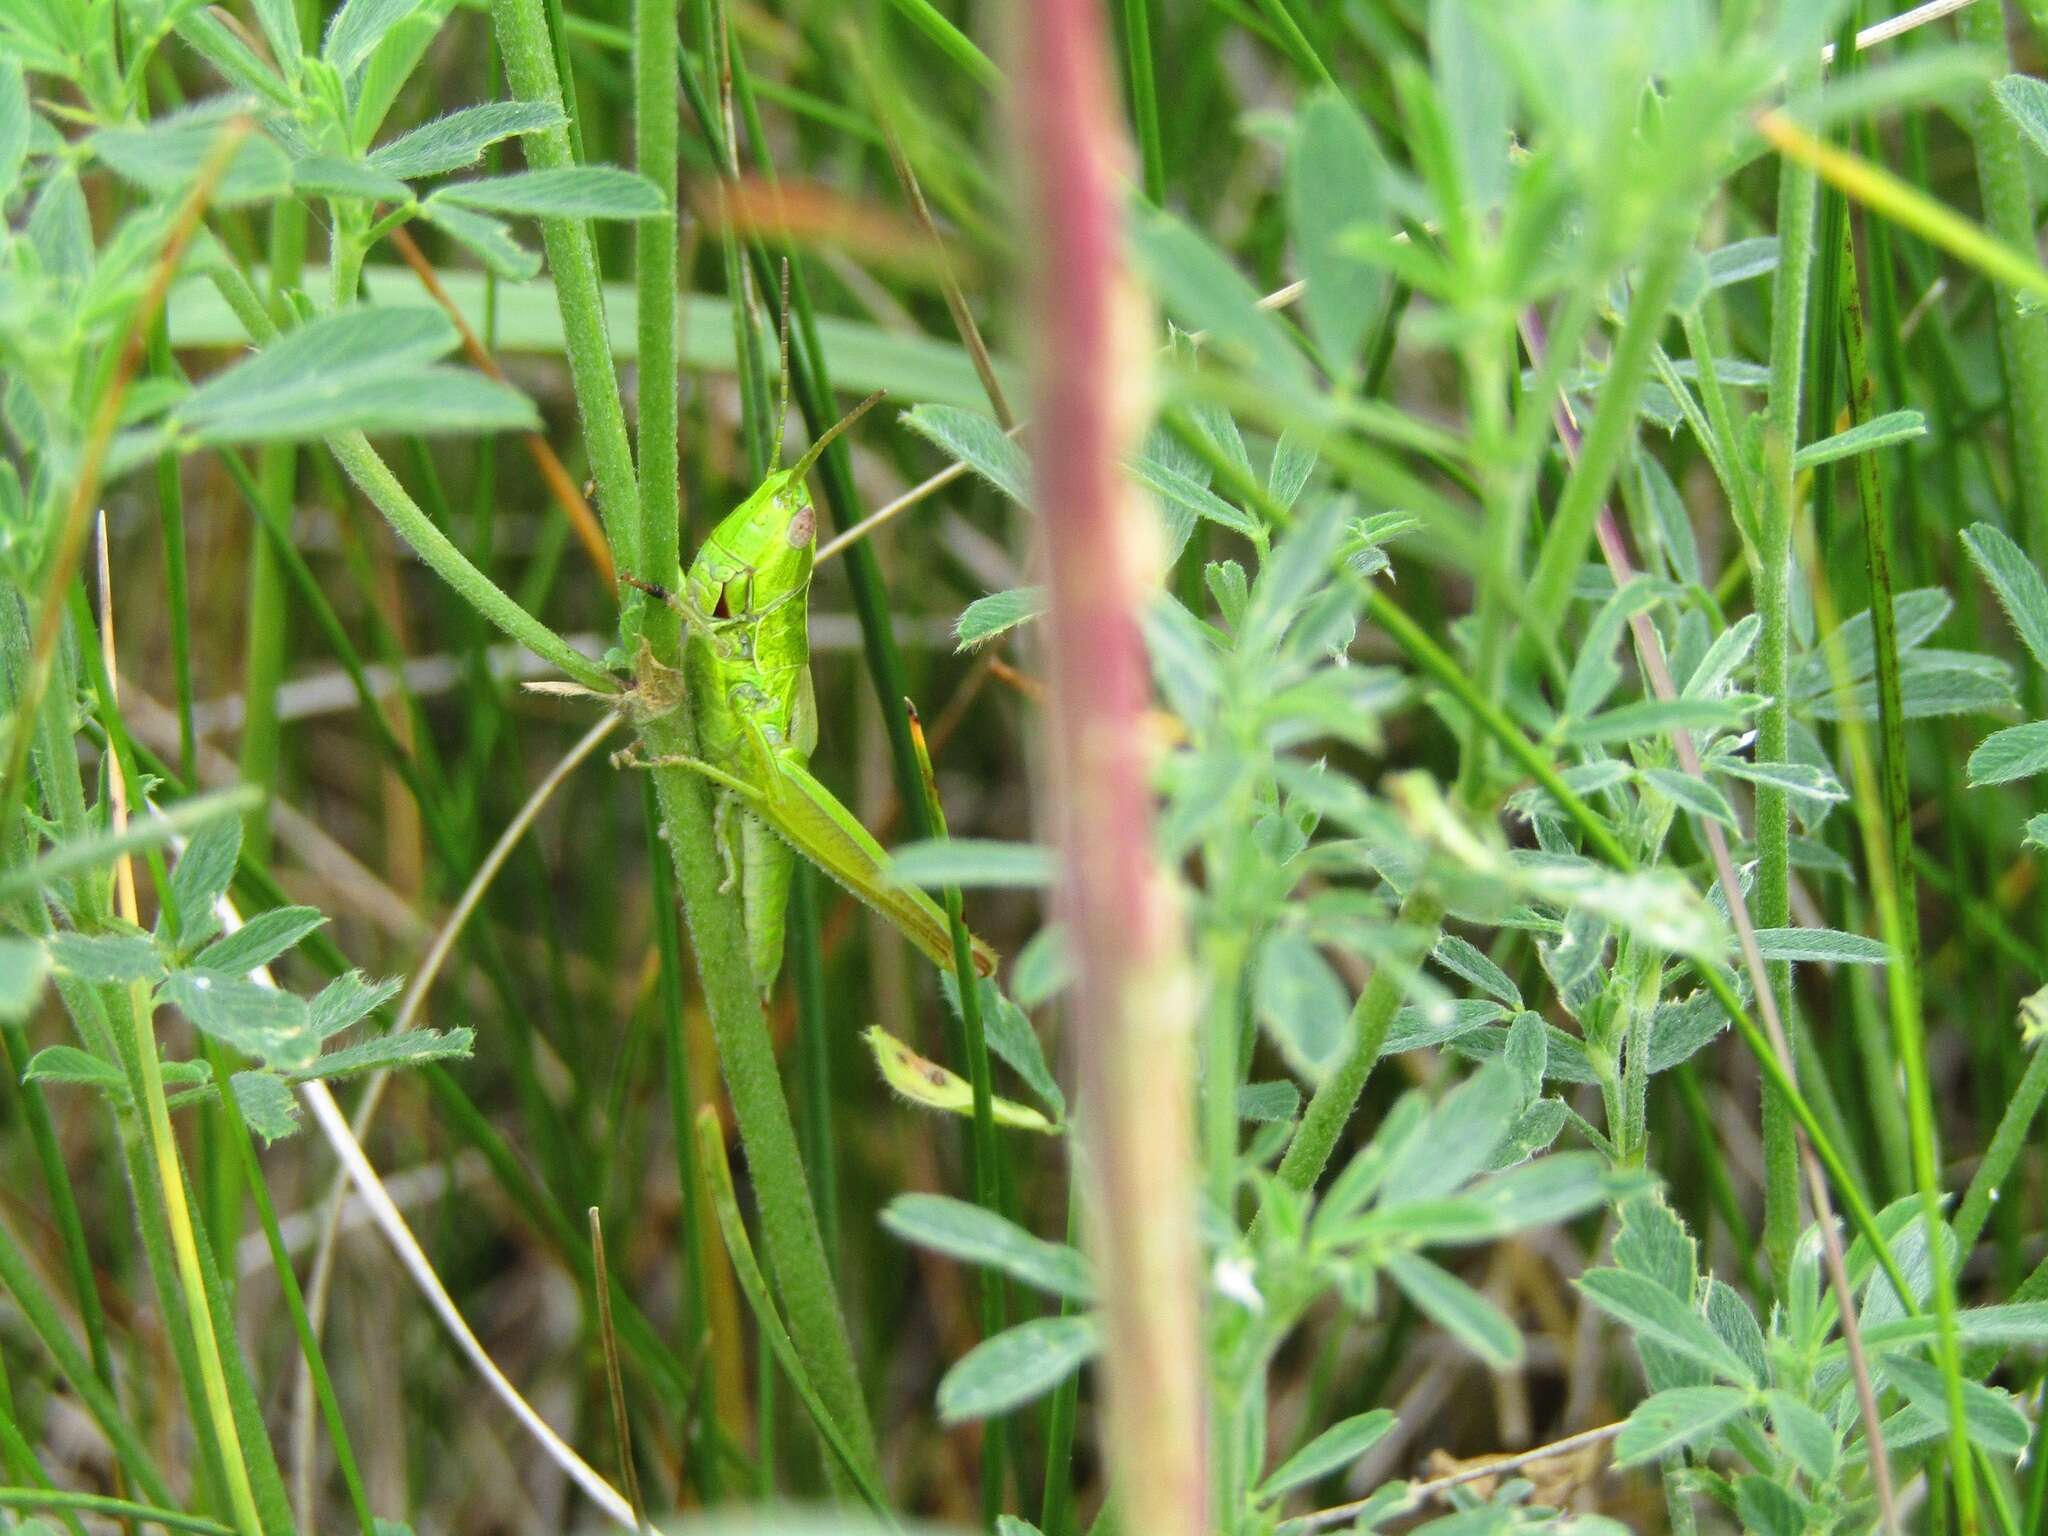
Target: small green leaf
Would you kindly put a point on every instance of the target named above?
(260, 940)
(1878, 432)
(977, 442)
(1183, 494)
(213, 41)
(1459, 1310)
(24, 963)
(1335, 183)
(1931, 683)
(1012, 1038)
(1338, 1446)
(1821, 946)
(107, 959)
(1671, 1421)
(2037, 831)
(1990, 1416)
(1802, 779)
(202, 875)
(1542, 1193)
(489, 239)
(267, 1105)
(1465, 960)
(2025, 100)
(1017, 1366)
(1741, 260)
(258, 1021)
(414, 1048)
(15, 119)
(1806, 1435)
(450, 143)
(1724, 658)
(1302, 1002)
(68, 1064)
(2021, 591)
(2017, 752)
(566, 192)
(1658, 1315)
(429, 401)
(280, 22)
(1203, 291)
(1274, 1103)
(1660, 717)
(997, 614)
(973, 864)
(1419, 1026)
(1915, 616)
(1767, 1508)
(166, 157)
(347, 1000)
(1698, 796)
(358, 27)
(326, 358)
(327, 176)
(976, 1236)
(1461, 1133)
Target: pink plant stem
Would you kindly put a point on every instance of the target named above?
(1134, 1000)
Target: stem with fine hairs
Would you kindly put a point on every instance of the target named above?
(1135, 992)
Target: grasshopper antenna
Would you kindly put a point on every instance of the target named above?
(782, 394)
(812, 454)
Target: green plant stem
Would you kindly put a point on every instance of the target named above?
(1056, 1509)
(814, 1051)
(702, 1450)
(984, 1160)
(1877, 548)
(1226, 951)
(857, 1466)
(373, 477)
(2007, 1143)
(2005, 187)
(115, 1509)
(656, 102)
(789, 1223)
(185, 1250)
(1609, 436)
(1331, 1106)
(1137, 18)
(525, 43)
(1796, 200)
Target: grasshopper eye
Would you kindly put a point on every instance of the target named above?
(803, 527)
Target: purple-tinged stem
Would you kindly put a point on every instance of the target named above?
(1135, 996)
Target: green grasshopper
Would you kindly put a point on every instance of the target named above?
(745, 604)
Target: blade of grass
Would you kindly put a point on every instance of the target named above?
(2006, 190)
(754, 1285)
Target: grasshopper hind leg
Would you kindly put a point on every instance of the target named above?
(769, 866)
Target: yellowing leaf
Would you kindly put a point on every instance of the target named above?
(931, 1085)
